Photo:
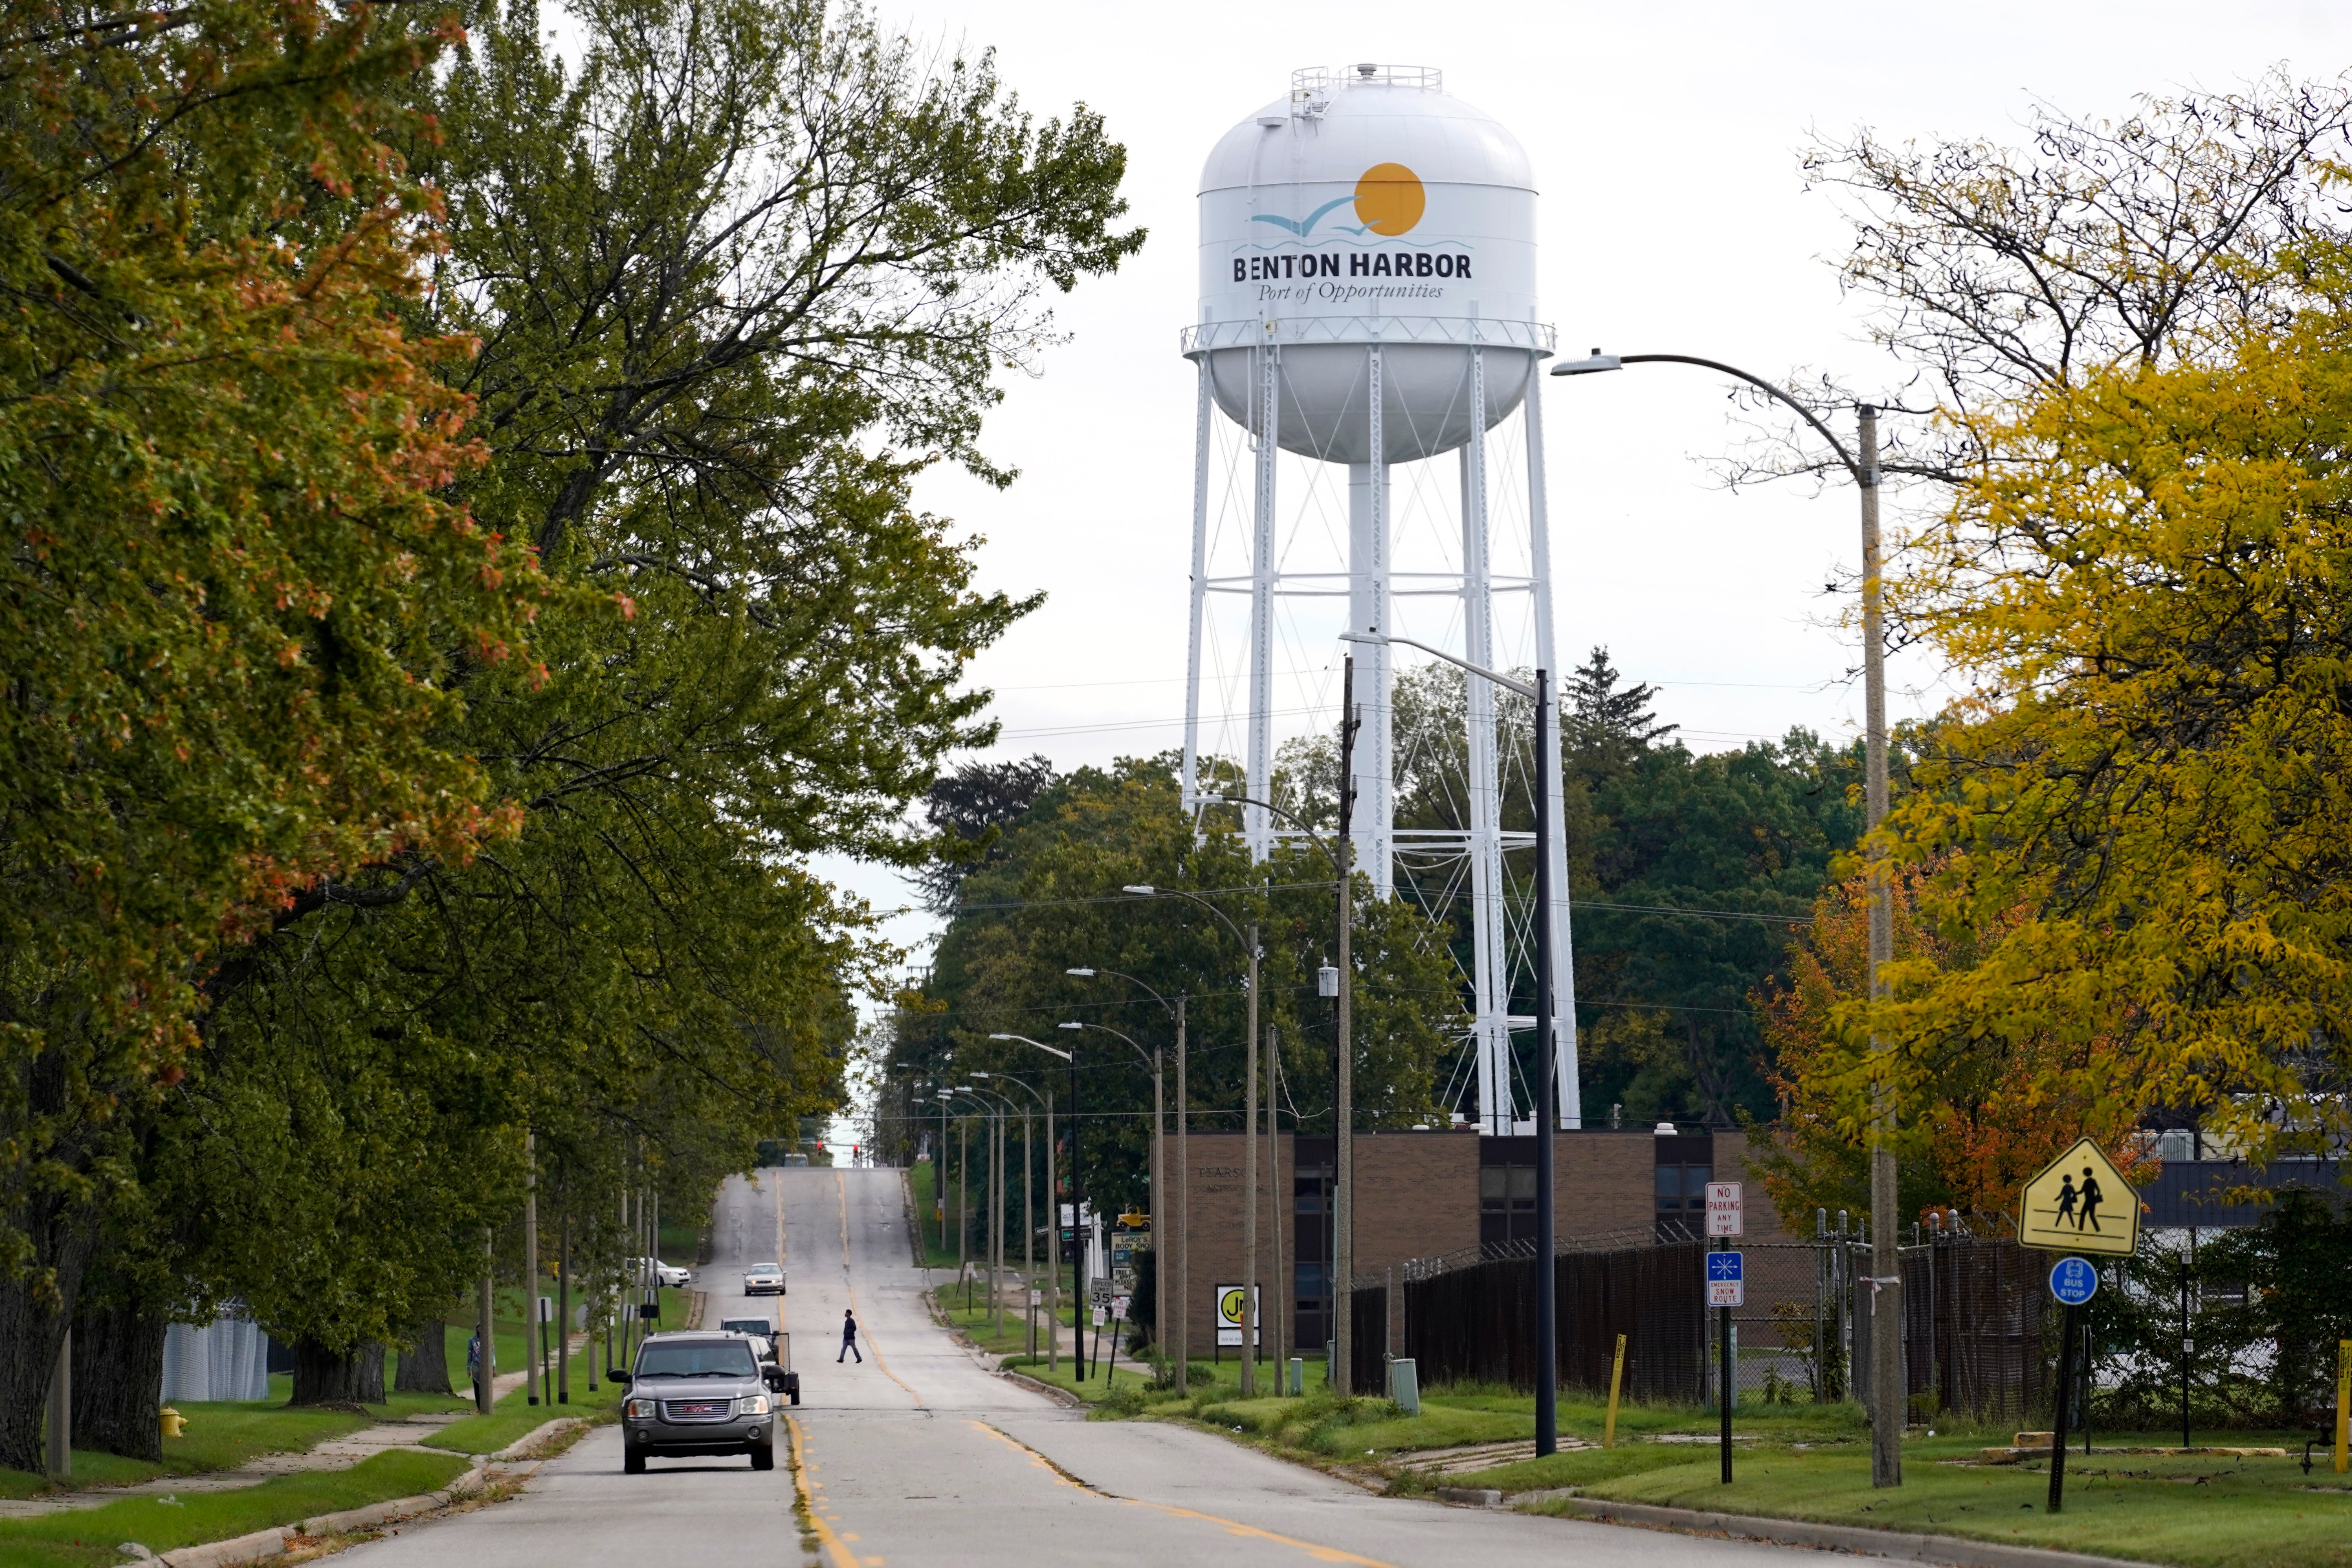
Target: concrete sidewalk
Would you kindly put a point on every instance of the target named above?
(334, 1454)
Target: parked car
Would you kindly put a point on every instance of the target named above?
(758, 1329)
(694, 1395)
(668, 1274)
(764, 1279)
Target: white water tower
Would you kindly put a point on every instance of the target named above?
(1368, 306)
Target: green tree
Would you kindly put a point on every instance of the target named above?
(239, 594)
(1050, 901)
(2147, 594)
(735, 282)
(737, 279)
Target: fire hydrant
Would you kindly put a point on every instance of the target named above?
(174, 1423)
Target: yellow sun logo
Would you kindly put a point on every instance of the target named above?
(1390, 199)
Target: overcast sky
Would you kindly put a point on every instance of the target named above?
(1665, 142)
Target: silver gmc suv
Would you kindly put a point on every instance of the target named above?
(698, 1394)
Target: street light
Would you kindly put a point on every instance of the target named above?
(1077, 1200)
(1249, 1163)
(1886, 1395)
(999, 1106)
(1160, 1203)
(1341, 1260)
(1151, 1060)
(1547, 1119)
(1029, 1223)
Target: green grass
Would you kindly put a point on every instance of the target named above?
(222, 1436)
(2200, 1512)
(79, 1537)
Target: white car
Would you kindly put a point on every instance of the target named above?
(764, 1279)
(667, 1273)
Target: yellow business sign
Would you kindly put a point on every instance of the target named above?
(1232, 1301)
(2080, 1202)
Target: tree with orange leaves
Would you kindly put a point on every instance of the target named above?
(1990, 1114)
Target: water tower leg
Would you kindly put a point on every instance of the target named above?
(1490, 970)
(1191, 783)
(1562, 1032)
(1262, 563)
(1368, 605)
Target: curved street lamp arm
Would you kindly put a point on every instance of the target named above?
(1495, 675)
(1195, 898)
(1279, 811)
(1008, 1078)
(1107, 1030)
(1049, 1050)
(1119, 975)
(1866, 479)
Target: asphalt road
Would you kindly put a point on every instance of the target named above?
(918, 1455)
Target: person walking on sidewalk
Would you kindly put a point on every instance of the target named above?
(850, 1339)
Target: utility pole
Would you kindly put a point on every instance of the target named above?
(1887, 1396)
(1340, 1374)
(1077, 1220)
(533, 1364)
(1547, 1093)
(1053, 1253)
(1185, 1223)
(1282, 1291)
(1250, 1310)
(485, 1337)
(563, 1309)
(1028, 1231)
(997, 1225)
(1887, 1393)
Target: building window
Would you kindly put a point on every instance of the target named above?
(1682, 1200)
(1506, 1189)
(1310, 1287)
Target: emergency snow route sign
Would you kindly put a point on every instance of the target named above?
(1727, 1282)
(1723, 1210)
(2080, 1202)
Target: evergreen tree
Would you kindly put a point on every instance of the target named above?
(969, 809)
(1605, 729)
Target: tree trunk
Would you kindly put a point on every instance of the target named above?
(323, 1377)
(33, 1320)
(118, 1379)
(424, 1360)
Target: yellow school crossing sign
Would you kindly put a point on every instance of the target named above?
(2080, 1202)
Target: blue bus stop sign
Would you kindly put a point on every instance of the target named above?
(2074, 1281)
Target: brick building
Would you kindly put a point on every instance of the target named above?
(1428, 1194)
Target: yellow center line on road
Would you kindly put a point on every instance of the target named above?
(841, 1187)
(1230, 1527)
(840, 1554)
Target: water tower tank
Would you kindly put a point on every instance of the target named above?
(1366, 231)
(1368, 206)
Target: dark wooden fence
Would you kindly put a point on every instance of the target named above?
(1477, 1324)
(1973, 1322)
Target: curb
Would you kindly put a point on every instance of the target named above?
(1951, 1550)
(1062, 1396)
(252, 1548)
(373, 1514)
(263, 1544)
(524, 1446)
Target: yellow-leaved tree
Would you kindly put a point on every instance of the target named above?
(2141, 816)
